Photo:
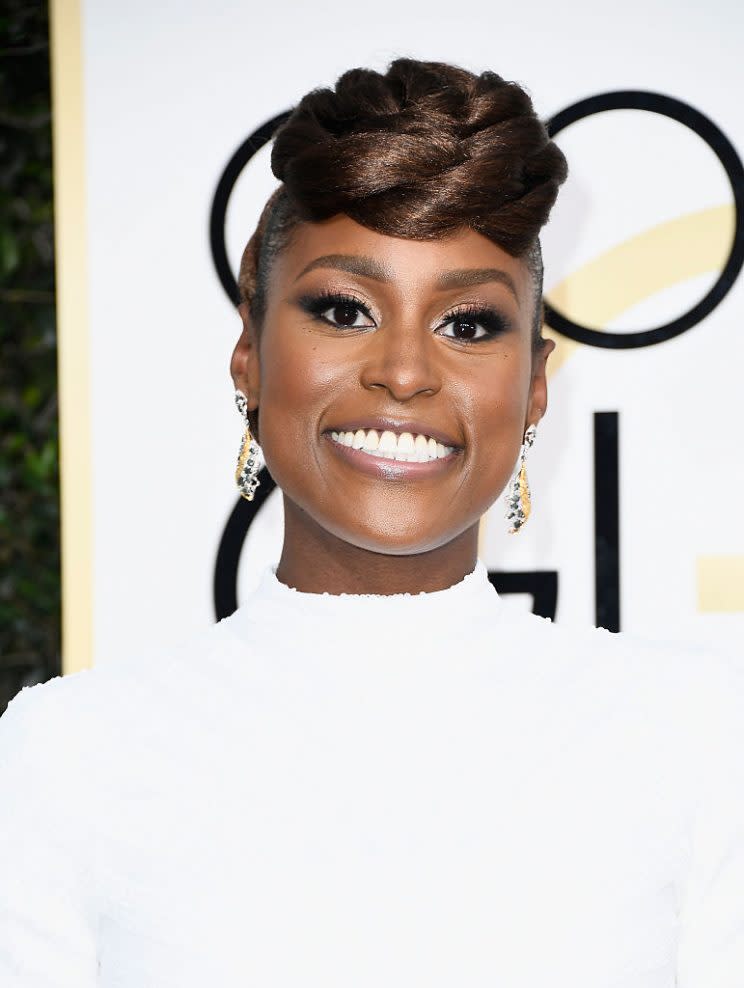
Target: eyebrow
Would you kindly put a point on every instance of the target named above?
(367, 267)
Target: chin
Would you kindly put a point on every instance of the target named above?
(408, 540)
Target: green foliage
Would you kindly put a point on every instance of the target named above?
(29, 481)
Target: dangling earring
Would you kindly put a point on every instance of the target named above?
(247, 469)
(518, 498)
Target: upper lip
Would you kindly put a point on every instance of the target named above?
(384, 423)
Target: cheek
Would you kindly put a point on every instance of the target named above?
(299, 378)
(495, 395)
(287, 372)
(494, 399)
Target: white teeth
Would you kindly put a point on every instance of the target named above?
(388, 442)
(371, 441)
(405, 443)
(406, 447)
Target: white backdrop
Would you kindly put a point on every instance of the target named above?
(640, 233)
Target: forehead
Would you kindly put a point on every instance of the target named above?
(409, 265)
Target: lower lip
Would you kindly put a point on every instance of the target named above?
(380, 466)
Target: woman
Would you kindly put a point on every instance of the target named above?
(373, 773)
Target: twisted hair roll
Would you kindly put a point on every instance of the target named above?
(418, 152)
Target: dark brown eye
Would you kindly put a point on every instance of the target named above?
(344, 315)
(341, 311)
(464, 329)
(472, 326)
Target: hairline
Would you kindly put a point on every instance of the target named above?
(276, 240)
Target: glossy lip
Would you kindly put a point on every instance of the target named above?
(384, 424)
(381, 467)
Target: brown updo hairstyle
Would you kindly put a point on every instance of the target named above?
(418, 152)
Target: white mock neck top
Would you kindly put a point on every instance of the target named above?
(358, 791)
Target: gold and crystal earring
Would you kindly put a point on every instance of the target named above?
(246, 472)
(518, 498)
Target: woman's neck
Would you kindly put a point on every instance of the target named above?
(314, 560)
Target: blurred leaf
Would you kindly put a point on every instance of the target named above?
(9, 252)
(29, 471)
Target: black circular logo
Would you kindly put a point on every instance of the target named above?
(222, 194)
(724, 150)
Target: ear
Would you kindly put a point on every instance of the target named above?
(538, 400)
(244, 364)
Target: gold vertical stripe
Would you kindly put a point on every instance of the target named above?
(720, 584)
(70, 219)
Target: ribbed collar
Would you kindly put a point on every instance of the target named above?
(274, 601)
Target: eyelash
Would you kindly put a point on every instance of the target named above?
(490, 320)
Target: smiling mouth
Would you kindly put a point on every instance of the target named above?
(404, 447)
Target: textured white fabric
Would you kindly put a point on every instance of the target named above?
(378, 792)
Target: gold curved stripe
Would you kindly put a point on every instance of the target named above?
(665, 255)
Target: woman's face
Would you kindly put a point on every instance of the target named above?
(367, 335)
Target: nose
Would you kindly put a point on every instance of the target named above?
(402, 360)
